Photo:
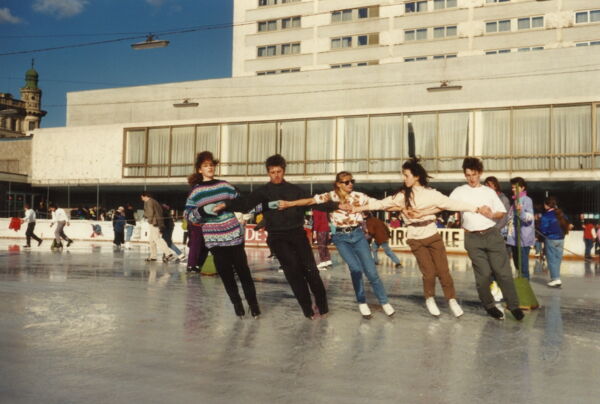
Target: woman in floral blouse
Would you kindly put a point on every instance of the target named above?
(350, 240)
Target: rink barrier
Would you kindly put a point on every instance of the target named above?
(82, 230)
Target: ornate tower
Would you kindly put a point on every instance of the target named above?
(32, 96)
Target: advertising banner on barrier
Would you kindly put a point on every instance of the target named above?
(453, 239)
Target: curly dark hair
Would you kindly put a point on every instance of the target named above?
(275, 160)
(196, 177)
(472, 163)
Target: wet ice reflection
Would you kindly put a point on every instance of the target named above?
(92, 325)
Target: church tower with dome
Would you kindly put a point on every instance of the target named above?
(31, 95)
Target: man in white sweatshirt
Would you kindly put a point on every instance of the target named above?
(59, 217)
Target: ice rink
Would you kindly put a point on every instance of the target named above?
(91, 325)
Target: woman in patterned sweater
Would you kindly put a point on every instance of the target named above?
(349, 238)
(223, 235)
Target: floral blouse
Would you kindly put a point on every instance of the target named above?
(341, 218)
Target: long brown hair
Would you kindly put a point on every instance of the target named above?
(196, 178)
(338, 178)
(562, 220)
(417, 170)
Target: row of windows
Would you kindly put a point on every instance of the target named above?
(292, 48)
(434, 57)
(352, 14)
(539, 138)
(274, 25)
(421, 6)
(280, 71)
(355, 64)
(422, 34)
(588, 43)
(586, 17)
(354, 41)
(275, 2)
(507, 25)
(509, 50)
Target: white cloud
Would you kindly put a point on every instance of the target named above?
(60, 8)
(6, 17)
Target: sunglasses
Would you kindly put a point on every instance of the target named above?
(347, 182)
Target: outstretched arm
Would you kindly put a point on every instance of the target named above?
(298, 202)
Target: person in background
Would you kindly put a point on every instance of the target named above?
(119, 221)
(154, 214)
(589, 235)
(129, 225)
(59, 217)
(167, 234)
(395, 222)
(321, 227)
(380, 235)
(554, 226)
(29, 218)
(521, 216)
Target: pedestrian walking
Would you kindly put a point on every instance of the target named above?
(129, 225)
(521, 217)
(321, 227)
(554, 226)
(380, 235)
(154, 214)
(30, 218)
(119, 221)
(60, 219)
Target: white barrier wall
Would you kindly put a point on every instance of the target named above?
(83, 230)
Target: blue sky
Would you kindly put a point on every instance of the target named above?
(38, 24)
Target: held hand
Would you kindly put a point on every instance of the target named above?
(485, 211)
(347, 207)
(219, 207)
(413, 213)
(282, 205)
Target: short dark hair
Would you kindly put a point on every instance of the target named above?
(146, 193)
(519, 181)
(275, 160)
(472, 163)
(52, 206)
(26, 206)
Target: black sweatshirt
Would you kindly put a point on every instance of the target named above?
(278, 221)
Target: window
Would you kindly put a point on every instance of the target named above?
(415, 7)
(281, 49)
(444, 32)
(441, 4)
(357, 64)
(588, 43)
(530, 23)
(262, 3)
(497, 26)
(496, 1)
(354, 41)
(584, 17)
(415, 34)
(497, 51)
(528, 49)
(354, 14)
(292, 22)
(449, 56)
(267, 25)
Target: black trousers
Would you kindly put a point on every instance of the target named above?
(30, 235)
(228, 262)
(296, 257)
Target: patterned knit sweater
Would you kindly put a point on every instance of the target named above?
(222, 230)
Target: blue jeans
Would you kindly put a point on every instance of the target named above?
(128, 231)
(386, 249)
(524, 260)
(589, 244)
(354, 249)
(554, 253)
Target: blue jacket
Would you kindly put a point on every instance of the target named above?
(526, 219)
(550, 227)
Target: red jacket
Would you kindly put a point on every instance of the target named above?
(320, 221)
(15, 223)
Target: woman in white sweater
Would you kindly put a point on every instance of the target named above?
(418, 204)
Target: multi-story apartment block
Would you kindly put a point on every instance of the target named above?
(283, 36)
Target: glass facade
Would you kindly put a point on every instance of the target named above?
(540, 138)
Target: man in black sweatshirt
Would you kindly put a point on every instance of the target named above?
(286, 235)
